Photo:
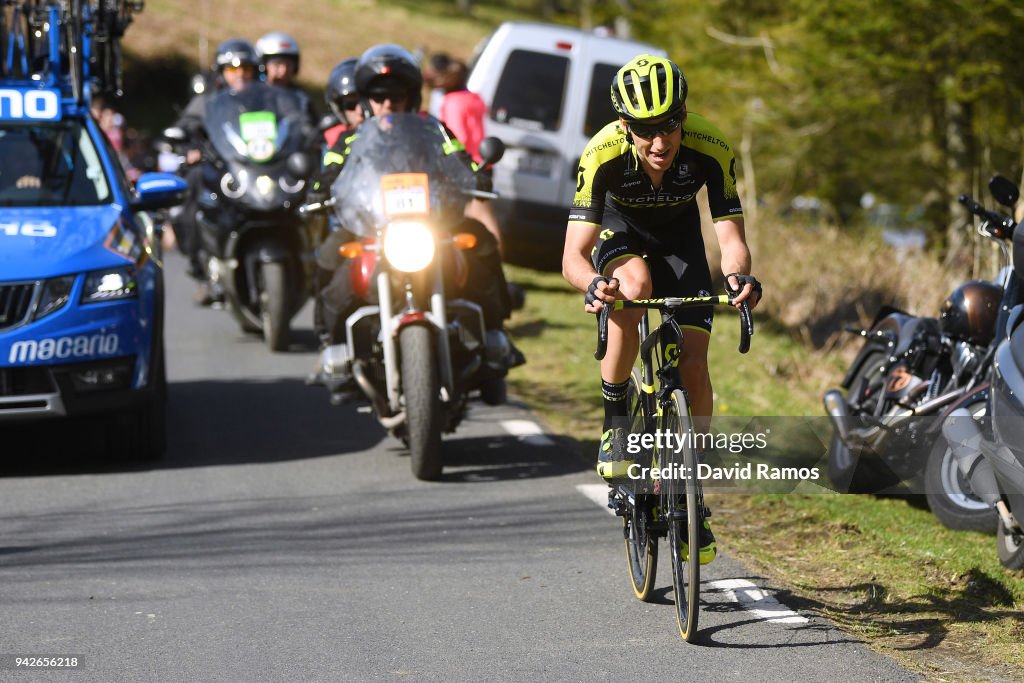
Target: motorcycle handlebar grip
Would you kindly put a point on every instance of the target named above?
(602, 332)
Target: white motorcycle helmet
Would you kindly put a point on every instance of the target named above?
(278, 44)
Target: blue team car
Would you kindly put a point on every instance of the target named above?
(81, 278)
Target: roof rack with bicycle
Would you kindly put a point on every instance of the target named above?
(72, 46)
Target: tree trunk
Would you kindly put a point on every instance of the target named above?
(960, 154)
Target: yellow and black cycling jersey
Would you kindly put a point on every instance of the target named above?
(610, 171)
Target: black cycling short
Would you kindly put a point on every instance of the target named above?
(675, 258)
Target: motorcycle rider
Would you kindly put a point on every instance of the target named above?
(343, 100)
(280, 58)
(236, 66)
(388, 80)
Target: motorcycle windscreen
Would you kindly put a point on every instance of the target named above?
(397, 145)
(260, 124)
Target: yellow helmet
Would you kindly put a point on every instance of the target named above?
(647, 87)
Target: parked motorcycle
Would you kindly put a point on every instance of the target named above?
(255, 249)
(415, 349)
(990, 451)
(909, 372)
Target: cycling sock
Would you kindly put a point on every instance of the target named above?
(614, 401)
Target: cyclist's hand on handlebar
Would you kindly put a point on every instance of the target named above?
(601, 290)
(743, 288)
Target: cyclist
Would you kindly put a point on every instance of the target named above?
(635, 198)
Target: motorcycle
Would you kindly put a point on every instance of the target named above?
(256, 250)
(905, 379)
(416, 349)
(990, 451)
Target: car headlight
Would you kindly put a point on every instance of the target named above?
(109, 285)
(56, 292)
(409, 247)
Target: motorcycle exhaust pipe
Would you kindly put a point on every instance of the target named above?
(835, 406)
(380, 406)
(964, 439)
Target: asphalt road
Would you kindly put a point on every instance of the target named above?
(284, 539)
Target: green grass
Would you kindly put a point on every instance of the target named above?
(884, 568)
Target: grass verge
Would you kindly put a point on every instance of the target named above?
(883, 568)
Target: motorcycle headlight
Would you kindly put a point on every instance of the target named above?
(56, 292)
(409, 247)
(109, 285)
(264, 185)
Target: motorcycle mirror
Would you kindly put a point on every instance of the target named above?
(1004, 191)
(175, 134)
(299, 165)
(491, 150)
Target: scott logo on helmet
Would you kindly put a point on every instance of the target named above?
(18, 104)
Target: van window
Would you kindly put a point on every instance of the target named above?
(599, 106)
(531, 91)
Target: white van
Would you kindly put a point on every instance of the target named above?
(547, 92)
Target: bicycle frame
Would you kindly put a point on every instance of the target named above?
(670, 510)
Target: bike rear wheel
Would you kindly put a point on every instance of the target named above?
(641, 543)
(684, 512)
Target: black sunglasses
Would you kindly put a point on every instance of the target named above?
(649, 130)
(395, 97)
(350, 105)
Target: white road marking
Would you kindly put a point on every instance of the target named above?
(748, 595)
(757, 601)
(529, 432)
(597, 493)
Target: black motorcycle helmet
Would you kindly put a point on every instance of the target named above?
(970, 312)
(390, 69)
(341, 84)
(235, 52)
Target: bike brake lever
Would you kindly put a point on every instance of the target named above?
(602, 331)
(746, 326)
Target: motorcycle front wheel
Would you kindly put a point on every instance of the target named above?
(274, 306)
(949, 492)
(421, 388)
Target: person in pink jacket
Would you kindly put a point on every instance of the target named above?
(461, 110)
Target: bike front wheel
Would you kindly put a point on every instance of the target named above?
(684, 512)
(641, 543)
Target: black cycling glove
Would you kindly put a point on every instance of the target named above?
(591, 295)
(741, 281)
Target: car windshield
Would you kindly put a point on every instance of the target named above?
(51, 165)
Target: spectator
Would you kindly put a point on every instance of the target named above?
(433, 75)
(461, 110)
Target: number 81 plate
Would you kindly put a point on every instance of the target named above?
(405, 194)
